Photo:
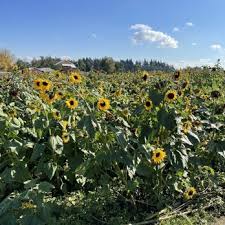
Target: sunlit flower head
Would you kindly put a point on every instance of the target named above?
(190, 193)
(171, 95)
(75, 78)
(158, 155)
(103, 104)
(71, 103)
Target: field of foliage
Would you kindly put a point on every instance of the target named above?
(126, 148)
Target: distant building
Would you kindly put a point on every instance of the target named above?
(65, 65)
(40, 70)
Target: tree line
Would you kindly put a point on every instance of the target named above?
(106, 64)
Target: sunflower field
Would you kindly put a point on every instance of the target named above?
(126, 148)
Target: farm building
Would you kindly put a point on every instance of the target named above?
(41, 70)
(65, 65)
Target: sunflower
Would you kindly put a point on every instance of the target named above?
(118, 93)
(65, 137)
(186, 127)
(158, 155)
(37, 84)
(185, 84)
(71, 103)
(51, 98)
(56, 115)
(46, 85)
(189, 193)
(64, 124)
(43, 95)
(145, 76)
(171, 95)
(59, 95)
(75, 78)
(103, 104)
(176, 75)
(148, 104)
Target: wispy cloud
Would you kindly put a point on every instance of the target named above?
(216, 47)
(193, 43)
(144, 33)
(189, 24)
(176, 29)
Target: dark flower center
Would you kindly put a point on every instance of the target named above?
(148, 103)
(38, 83)
(170, 95)
(76, 77)
(51, 96)
(45, 83)
(145, 77)
(60, 93)
(57, 113)
(71, 102)
(157, 154)
(190, 193)
(102, 104)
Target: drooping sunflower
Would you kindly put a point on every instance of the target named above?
(38, 84)
(59, 95)
(176, 75)
(148, 104)
(171, 95)
(51, 98)
(145, 76)
(185, 84)
(43, 95)
(71, 103)
(75, 78)
(103, 104)
(65, 137)
(64, 124)
(190, 193)
(46, 85)
(186, 127)
(158, 155)
(56, 115)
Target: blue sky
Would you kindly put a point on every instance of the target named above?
(178, 32)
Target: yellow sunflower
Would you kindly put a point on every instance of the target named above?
(75, 78)
(56, 115)
(158, 155)
(65, 137)
(38, 84)
(190, 193)
(171, 95)
(148, 104)
(46, 85)
(103, 104)
(71, 103)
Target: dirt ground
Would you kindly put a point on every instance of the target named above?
(219, 221)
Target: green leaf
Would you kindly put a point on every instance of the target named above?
(50, 169)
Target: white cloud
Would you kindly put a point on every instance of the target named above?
(216, 47)
(189, 24)
(193, 43)
(176, 29)
(144, 33)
